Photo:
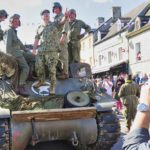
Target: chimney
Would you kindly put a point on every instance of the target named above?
(116, 12)
(99, 21)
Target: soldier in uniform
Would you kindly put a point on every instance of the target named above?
(48, 51)
(74, 36)
(3, 16)
(16, 48)
(63, 26)
(129, 93)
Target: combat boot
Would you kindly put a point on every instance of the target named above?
(39, 83)
(22, 91)
(52, 90)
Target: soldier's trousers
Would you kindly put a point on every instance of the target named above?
(49, 59)
(74, 51)
(129, 111)
(63, 56)
(27, 59)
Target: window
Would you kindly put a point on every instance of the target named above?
(90, 43)
(100, 60)
(99, 35)
(95, 36)
(90, 61)
(109, 57)
(138, 51)
(120, 52)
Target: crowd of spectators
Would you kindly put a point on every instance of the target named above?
(113, 83)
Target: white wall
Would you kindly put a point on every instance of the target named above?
(113, 44)
(87, 49)
(144, 64)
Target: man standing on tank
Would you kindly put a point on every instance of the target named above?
(63, 26)
(48, 51)
(74, 36)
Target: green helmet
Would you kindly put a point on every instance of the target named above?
(57, 4)
(15, 16)
(72, 11)
(3, 13)
(44, 11)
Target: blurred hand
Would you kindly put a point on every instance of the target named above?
(145, 94)
(66, 13)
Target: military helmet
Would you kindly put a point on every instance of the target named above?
(3, 13)
(15, 16)
(44, 11)
(72, 11)
(57, 4)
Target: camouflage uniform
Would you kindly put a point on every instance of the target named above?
(74, 39)
(63, 56)
(47, 52)
(16, 48)
(129, 93)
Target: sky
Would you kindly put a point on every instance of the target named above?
(87, 10)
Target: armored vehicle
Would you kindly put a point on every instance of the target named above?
(80, 115)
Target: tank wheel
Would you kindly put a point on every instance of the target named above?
(109, 129)
(4, 134)
(76, 99)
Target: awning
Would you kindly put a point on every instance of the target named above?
(108, 68)
(100, 69)
(114, 65)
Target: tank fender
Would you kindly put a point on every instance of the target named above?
(104, 106)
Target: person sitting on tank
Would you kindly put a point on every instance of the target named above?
(15, 48)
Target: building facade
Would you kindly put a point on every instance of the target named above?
(139, 50)
(117, 50)
(86, 51)
(111, 55)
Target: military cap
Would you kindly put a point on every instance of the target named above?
(44, 11)
(15, 16)
(72, 11)
(57, 4)
(3, 13)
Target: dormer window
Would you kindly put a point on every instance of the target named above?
(137, 23)
(119, 25)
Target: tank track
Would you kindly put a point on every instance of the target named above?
(4, 134)
(108, 130)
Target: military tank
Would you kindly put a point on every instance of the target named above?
(80, 115)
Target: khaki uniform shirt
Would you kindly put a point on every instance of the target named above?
(129, 92)
(13, 44)
(75, 29)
